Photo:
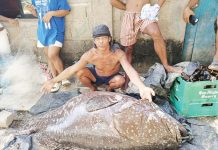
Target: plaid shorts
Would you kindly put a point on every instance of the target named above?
(130, 27)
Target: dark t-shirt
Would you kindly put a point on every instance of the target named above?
(9, 8)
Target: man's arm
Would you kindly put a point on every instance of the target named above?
(66, 74)
(118, 4)
(2, 18)
(192, 4)
(161, 2)
(70, 71)
(31, 9)
(57, 13)
(188, 10)
(9, 20)
(145, 92)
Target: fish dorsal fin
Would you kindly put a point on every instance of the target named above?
(100, 102)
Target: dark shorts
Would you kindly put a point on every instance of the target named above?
(101, 79)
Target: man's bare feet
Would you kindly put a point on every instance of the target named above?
(110, 89)
(93, 88)
(171, 69)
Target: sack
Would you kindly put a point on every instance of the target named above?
(4, 42)
(150, 12)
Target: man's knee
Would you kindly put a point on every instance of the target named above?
(83, 79)
(53, 52)
(80, 73)
(153, 31)
(81, 76)
(155, 34)
(122, 80)
(118, 80)
(52, 56)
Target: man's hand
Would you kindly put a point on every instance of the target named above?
(147, 93)
(48, 16)
(13, 22)
(118, 4)
(187, 13)
(31, 9)
(46, 88)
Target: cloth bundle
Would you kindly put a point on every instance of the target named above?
(150, 12)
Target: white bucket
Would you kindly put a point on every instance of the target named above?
(4, 42)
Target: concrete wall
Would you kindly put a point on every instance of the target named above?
(86, 14)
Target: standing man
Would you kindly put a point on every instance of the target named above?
(51, 28)
(140, 16)
(214, 64)
(106, 63)
(187, 13)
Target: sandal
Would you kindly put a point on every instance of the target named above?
(65, 82)
(213, 67)
(56, 87)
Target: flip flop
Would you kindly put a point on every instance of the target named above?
(213, 72)
(56, 87)
(213, 67)
(65, 82)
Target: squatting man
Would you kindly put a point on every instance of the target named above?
(106, 60)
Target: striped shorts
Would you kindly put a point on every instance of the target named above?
(130, 27)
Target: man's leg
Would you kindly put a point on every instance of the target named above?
(214, 64)
(159, 46)
(128, 50)
(50, 65)
(216, 55)
(116, 82)
(86, 78)
(53, 56)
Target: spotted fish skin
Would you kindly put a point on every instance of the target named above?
(104, 120)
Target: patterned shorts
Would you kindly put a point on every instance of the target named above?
(130, 27)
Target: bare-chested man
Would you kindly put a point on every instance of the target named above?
(106, 65)
(133, 23)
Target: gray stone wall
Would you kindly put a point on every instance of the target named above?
(86, 14)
